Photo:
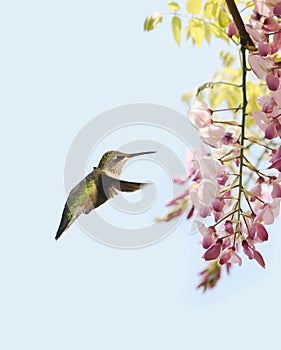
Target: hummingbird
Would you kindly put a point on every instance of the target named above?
(97, 187)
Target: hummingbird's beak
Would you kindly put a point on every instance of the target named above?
(139, 154)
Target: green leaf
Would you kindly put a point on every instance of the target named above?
(194, 6)
(176, 27)
(174, 6)
(152, 21)
(223, 19)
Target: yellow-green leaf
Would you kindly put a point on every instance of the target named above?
(174, 6)
(152, 21)
(223, 19)
(227, 58)
(219, 33)
(196, 30)
(208, 10)
(249, 4)
(211, 9)
(176, 27)
(187, 97)
(194, 6)
(207, 32)
(217, 98)
(231, 101)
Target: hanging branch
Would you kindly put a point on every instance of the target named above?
(245, 38)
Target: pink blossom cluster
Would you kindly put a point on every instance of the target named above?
(243, 224)
(232, 199)
(213, 194)
(205, 177)
(265, 29)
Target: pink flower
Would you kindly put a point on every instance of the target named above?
(272, 81)
(226, 255)
(207, 191)
(270, 25)
(276, 160)
(254, 28)
(270, 125)
(177, 199)
(258, 257)
(210, 167)
(230, 256)
(247, 249)
(235, 259)
(275, 45)
(196, 199)
(209, 235)
(227, 138)
(261, 120)
(213, 251)
(265, 7)
(276, 95)
(200, 115)
(276, 165)
(262, 233)
(180, 180)
(210, 276)
(218, 204)
(204, 211)
(260, 66)
(259, 233)
(257, 189)
(270, 132)
(232, 29)
(228, 227)
(267, 103)
(264, 48)
(222, 178)
(190, 213)
(268, 212)
(276, 155)
(212, 135)
(190, 158)
(252, 253)
(277, 10)
(276, 191)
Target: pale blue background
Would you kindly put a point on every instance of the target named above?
(62, 63)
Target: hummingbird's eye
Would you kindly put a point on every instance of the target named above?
(119, 157)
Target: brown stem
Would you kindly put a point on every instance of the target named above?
(245, 38)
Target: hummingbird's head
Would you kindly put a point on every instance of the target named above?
(112, 162)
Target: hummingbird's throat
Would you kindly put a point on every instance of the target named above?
(115, 174)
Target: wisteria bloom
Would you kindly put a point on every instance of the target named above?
(200, 115)
(233, 189)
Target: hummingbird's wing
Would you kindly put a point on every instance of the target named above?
(80, 200)
(111, 185)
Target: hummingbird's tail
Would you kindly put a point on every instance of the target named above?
(66, 221)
